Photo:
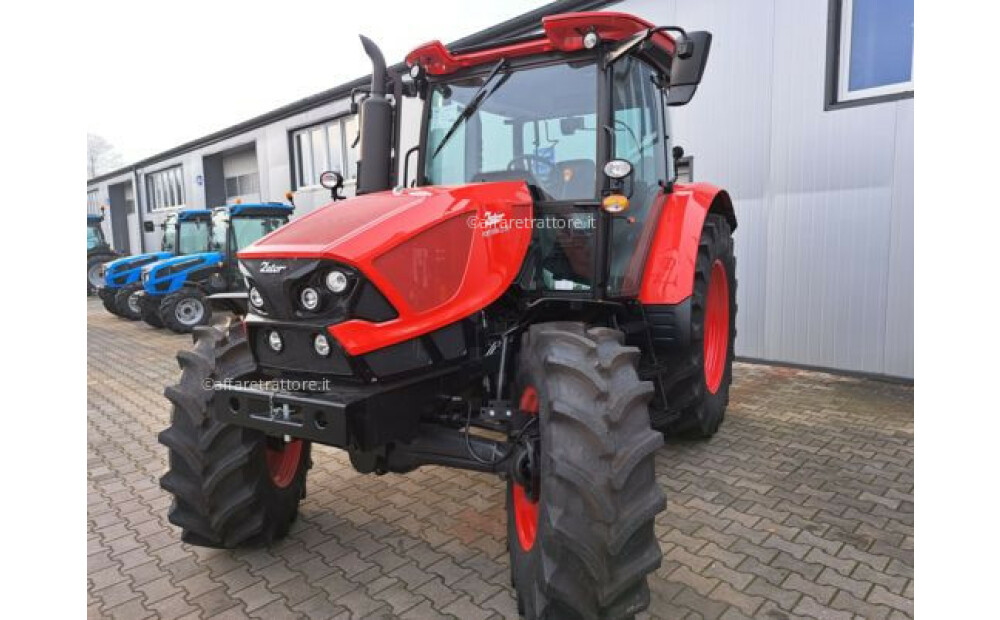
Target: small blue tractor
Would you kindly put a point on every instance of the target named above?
(184, 232)
(175, 290)
(99, 251)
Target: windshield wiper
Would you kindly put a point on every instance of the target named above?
(474, 103)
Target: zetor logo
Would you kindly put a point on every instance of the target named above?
(268, 267)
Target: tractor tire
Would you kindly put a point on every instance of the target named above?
(107, 296)
(93, 269)
(184, 310)
(584, 546)
(150, 311)
(127, 303)
(697, 391)
(231, 486)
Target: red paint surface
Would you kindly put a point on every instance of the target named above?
(668, 277)
(562, 33)
(417, 247)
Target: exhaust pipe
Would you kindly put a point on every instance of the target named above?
(375, 147)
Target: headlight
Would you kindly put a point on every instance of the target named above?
(322, 345)
(145, 277)
(309, 298)
(255, 297)
(275, 342)
(336, 281)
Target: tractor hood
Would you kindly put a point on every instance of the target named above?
(167, 276)
(125, 270)
(438, 254)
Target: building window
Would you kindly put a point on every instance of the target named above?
(327, 146)
(93, 202)
(165, 188)
(871, 50)
(242, 185)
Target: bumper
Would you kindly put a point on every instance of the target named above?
(349, 416)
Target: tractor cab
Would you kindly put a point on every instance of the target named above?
(95, 234)
(177, 286)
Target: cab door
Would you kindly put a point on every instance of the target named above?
(641, 138)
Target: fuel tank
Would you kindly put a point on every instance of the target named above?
(438, 254)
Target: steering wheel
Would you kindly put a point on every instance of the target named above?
(528, 157)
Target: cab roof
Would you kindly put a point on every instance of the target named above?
(193, 214)
(258, 208)
(93, 218)
(559, 33)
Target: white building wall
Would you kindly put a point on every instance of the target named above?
(824, 199)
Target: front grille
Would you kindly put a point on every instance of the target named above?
(297, 355)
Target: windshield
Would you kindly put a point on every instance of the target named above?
(537, 124)
(193, 237)
(94, 237)
(250, 229)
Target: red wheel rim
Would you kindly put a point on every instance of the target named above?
(716, 326)
(525, 510)
(283, 463)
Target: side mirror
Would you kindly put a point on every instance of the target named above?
(688, 67)
(148, 226)
(569, 125)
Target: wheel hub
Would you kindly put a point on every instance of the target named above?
(189, 311)
(94, 275)
(525, 474)
(133, 303)
(283, 461)
(716, 327)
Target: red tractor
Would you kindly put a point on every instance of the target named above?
(542, 301)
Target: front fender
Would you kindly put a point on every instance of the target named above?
(668, 277)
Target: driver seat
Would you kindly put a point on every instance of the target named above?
(573, 178)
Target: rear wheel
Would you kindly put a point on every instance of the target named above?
(232, 486)
(107, 296)
(184, 310)
(149, 310)
(697, 392)
(580, 511)
(94, 278)
(127, 301)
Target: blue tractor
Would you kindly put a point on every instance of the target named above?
(175, 290)
(185, 232)
(98, 251)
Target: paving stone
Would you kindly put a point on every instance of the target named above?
(801, 506)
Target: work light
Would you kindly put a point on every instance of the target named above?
(590, 40)
(336, 281)
(322, 345)
(309, 298)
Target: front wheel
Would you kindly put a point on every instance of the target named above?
(107, 296)
(581, 503)
(127, 301)
(184, 310)
(232, 486)
(149, 310)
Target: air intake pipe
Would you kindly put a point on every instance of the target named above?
(375, 148)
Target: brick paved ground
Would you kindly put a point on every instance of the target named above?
(802, 506)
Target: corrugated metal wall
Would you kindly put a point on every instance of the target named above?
(824, 198)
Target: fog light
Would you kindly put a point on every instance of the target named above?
(336, 281)
(274, 340)
(590, 40)
(255, 297)
(309, 298)
(322, 345)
